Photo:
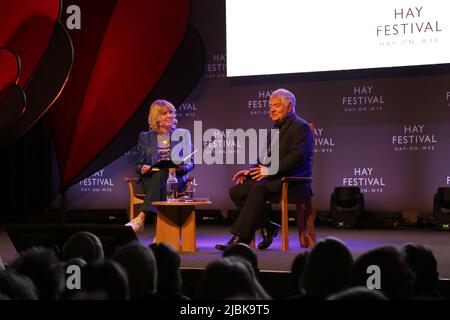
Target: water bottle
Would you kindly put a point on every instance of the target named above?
(172, 186)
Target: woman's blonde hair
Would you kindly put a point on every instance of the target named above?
(156, 109)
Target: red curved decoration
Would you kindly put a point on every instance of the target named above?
(9, 71)
(25, 28)
(42, 89)
(141, 39)
(86, 44)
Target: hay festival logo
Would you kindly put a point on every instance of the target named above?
(365, 178)
(98, 182)
(187, 109)
(323, 142)
(363, 99)
(414, 137)
(216, 66)
(259, 105)
(410, 26)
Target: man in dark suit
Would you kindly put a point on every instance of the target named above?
(256, 185)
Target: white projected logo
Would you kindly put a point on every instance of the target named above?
(414, 138)
(216, 66)
(363, 99)
(322, 142)
(365, 179)
(187, 110)
(289, 36)
(260, 106)
(98, 182)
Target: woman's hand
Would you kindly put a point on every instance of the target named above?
(180, 168)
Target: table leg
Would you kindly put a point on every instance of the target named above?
(168, 226)
(188, 242)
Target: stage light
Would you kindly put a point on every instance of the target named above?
(346, 207)
(441, 208)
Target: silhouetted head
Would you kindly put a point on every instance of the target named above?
(168, 264)
(225, 278)
(140, 266)
(43, 268)
(245, 252)
(17, 287)
(297, 270)
(89, 296)
(424, 265)
(80, 262)
(328, 269)
(109, 277)
(84, 245)
(396, 278)
(358, 294)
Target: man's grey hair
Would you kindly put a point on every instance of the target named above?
(285, 94)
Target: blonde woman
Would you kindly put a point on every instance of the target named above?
(156, 145)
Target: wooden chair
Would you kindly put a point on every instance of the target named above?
(135, 198)
(305, 217)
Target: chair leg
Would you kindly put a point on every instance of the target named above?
(310, 228)
(301, 225)
(131, 210)
(284, 220)
(253, 241)
(305, 223)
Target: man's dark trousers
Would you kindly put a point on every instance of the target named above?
(250, 199)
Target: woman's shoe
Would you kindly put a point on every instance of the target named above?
(137, 224)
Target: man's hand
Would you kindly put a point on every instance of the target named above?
(259, 173)
(145, 169)
(239, 177)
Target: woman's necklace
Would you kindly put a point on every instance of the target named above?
(164, 139)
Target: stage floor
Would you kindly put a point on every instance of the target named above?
(273, 259)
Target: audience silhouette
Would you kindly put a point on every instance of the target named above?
(138, 272)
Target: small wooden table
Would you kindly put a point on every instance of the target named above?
(174, 218)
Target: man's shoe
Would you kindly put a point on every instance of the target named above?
(234, 240)
(268, 233)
